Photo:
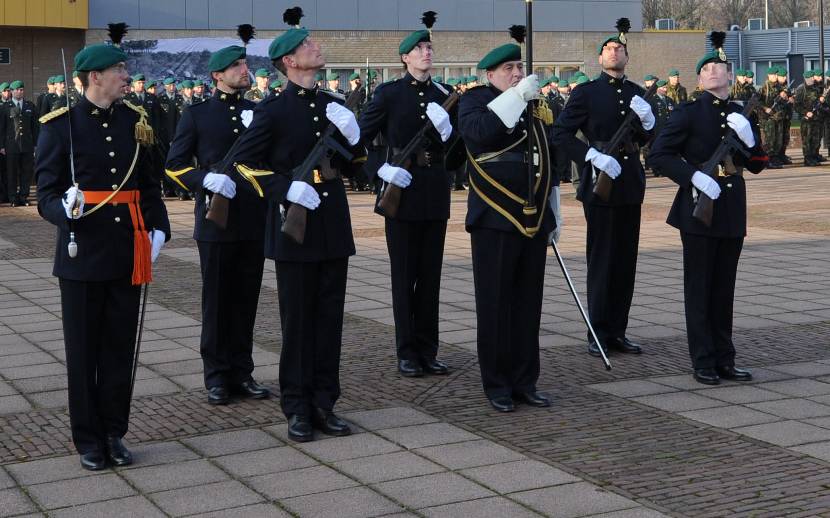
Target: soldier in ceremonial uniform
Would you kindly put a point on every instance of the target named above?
(186, 91)
(415, 235)
(509, 244)
(710, 254)
(172, 104)
(675, 90)
(199, 92)
(648, 80)
(662, 107)
(598, 108)
(260, 90)
(311, 277)
(156, 118)
(333, 83)
(44, 100)
(77, 89)
(231, 258)
(115, 221)
(59, 98)
(5, 96)
(18, 136)
(5, 93)
(275, 88)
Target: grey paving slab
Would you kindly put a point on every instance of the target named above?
(637, 512)
(232, 442)
(519, 476)
(48, 470)
(160, 453)
(205, 498)
(77, 491)
(174, 476)
(5, 480)
(350, 447)
(24, 360)
(420, 436)
(14, 404)
(678, 401)
(786, 433)
(32, 371)
(632, 388)
(14, 502)
(42, 384)
(494, 507)
(261, 462)
(51, 399)
(680, 382)
(801, 387)
(803, 369)
(154, 387)
(731, 416)
(432, 490)
(389, 418)
(268, 510)
(571, 500)
(390, 466)
(306, 481)
(740, 394)
(134, 506)
(792, 408)
(819, 450)
(469, 454)
(6, 389)
(355, 502)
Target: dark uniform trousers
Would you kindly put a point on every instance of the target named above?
(611, 251)
(710, 265)
(99, 331)
(310, 294)
(416, 254)
(231, 280)
(19, 168)
(509, 276)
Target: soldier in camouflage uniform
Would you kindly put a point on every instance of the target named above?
(809, 102)
(674, 90)
(260, 91)
(788, 115)
(770, 117)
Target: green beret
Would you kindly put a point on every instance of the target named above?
(211, 84)
(16, 84)
(60, 79)
(275, 84)
(262, 72)
(713, 56)
(139, 77)
(74, 73)
(579, 73)
(662, 83)
(782, 71)
(452, 81)
(615, 38)
(169, 81)
(332, 76)
(318, 77)
(413, 39)
(740, 72)
(187, 83)
(223, 58)
(353, 76)
(51, 80)
(287, 42)
(572, 80)
(373, 74)
(582, 79)
(472, 79)
(808, 74)
(816, 73)
(553, 79)
(750, 74)
(499, 55)
(649, 77)
(98, 57)
(674, 72)
(4, 87)
(438, 79)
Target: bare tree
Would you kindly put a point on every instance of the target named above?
(655, 9)
(784, 13)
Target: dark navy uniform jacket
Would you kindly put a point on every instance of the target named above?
(398, 111)
(206, 132)
(688, 140)
(104, 148)
(283, 132)
(483, 132)
(598, 108)
(18, 128)
(171, 107)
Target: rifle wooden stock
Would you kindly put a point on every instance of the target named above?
(602, 187)
(218, 209)
(296, 217)
(390, 200)
(705, 206)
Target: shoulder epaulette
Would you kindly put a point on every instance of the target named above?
(138, 109)
(334, 94)
(53, 114)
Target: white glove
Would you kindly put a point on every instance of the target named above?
(643, 110)
(157, 239)
(71, 197)
(555, 207)
(220, 184)
(247, 116)
(395, 175)
(706, 185)
(603, 162)
(511, 103)
(742, 128)
(303, 194)
(440, 119)
(343, 118)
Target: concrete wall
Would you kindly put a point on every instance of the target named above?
(36, 55)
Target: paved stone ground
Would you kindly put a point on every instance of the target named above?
(640, 440)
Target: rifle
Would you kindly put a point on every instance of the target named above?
(529, 208)
(819, 106)
(704, 207)
(602, 187)
(776, 107)
(390, 200)
(218, 206)
(296, 217)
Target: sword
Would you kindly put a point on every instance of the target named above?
(138, 338)
(579, 305)
(72, 247)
